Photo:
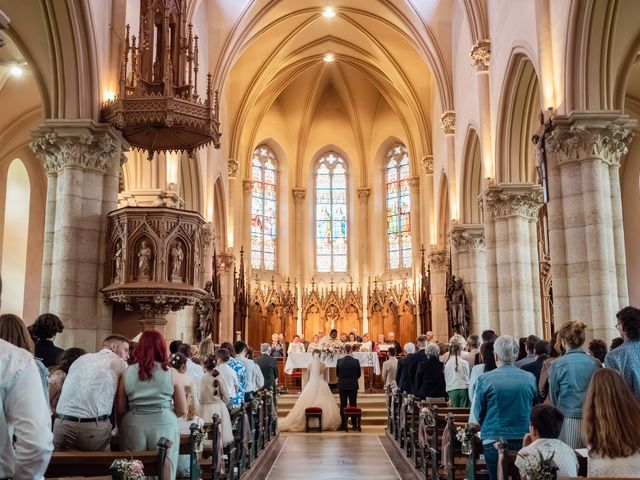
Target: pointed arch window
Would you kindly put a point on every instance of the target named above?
(331, 214)
(398, 196)
(264, 174)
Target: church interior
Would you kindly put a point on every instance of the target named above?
(235, 169)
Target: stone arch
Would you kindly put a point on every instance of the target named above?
(517, 120)
(471, 178)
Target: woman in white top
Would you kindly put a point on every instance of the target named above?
(456, 373)
(295, 346)
(178, 362)
(184, 424)
(315, 344)
(611, 427)
(488, 364)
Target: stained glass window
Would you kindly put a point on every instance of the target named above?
(398, 208)
(263, 209)
(331, 214)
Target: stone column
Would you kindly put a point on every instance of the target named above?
(439, 260)
(448, 125)
(363, 227)
(225, 265)
(468, 262)
(416, 238)
(513, 287)
(428, 215)
(585, 218)
(299, 195)
(234, 209)
(247, 189)
(480, 57)
(82, 160)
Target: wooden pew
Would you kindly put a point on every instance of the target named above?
(96, 464)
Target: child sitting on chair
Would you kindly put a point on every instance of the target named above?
(546, 423)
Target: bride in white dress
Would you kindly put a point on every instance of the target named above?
(316, 394)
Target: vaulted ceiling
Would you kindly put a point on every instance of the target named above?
(386, 62)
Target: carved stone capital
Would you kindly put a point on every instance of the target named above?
(466, 238)
(480, 55)
(232, 167)
(512, 199)
(414, 184)
(225, 261)
(299, 194)
(247, 187)
(579, 137)
(448, 122)
(363, 195)
(208, 235)
(427, 164)
(81, 144)
(439, 260)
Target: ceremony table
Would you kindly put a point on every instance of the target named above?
(302, 361)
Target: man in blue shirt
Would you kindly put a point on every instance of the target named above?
(626, 358)
(503, 401)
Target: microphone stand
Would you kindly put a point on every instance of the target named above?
(370, 365)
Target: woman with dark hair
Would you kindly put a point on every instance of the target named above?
(598, 349)
(44, 329)
(488, 364)
(56, 380)
(13, 330)
(522, 344)
(150, 399)
(556, 350)
(611, 427)
(429, 381)
(569, 379)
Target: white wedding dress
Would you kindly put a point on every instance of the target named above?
(315, 394)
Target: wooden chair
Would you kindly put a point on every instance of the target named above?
(311, 413)
(96, 464)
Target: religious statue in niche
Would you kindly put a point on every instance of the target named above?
(144, 261)
(117, 257)
(206, 309)
(458, 307)
(177, 257)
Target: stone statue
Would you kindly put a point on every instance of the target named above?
(206, 309)
(117, 256)
(177, 256)
(144, 260)
(458, 307)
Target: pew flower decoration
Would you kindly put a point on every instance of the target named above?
(465, 436)
(280, 390)
(537, 467)
(200, 434)
(429, 417)
(123, 469)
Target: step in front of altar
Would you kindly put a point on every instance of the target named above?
(374, 409)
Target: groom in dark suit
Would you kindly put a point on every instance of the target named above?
(348, 371)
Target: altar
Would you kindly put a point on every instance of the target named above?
(302, 361)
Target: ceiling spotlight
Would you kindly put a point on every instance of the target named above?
(16, 71)
(329, 57)
(329, 12)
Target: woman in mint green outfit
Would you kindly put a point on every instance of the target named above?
(150, 400)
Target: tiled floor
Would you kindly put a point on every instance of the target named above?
(331, 456)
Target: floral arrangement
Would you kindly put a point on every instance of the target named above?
(280, 390)
(200, 434)
(255, 404)
(123, 469)
(429, 417)
(329, 353)
(408, 400)
(236, 414)
(465, 436)
(538, 468)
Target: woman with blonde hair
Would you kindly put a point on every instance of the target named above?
(611, 427)
(569, 378)
(207, 347)
(456, 373)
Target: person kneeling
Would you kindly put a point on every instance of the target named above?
(542, 443)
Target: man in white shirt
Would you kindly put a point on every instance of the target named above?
(194, 370)
(24, 414)
(255, 379)
(390, 368)
(227, 375)
(86, 401)
(473, 348)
